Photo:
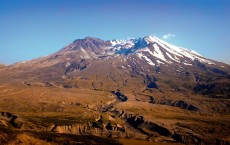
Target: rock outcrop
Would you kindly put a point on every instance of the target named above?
(179, 104)
(10, 119)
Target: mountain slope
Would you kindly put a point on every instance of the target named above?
(2, 66)
(119, 64)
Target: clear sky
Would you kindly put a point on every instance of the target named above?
(34, 28)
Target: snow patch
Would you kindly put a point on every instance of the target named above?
(67, 64)
(186, 63)
(157, 53)
(159, 62)
(173, 58)
(85, 54)
(194, 52)
(191, 54)
(149, 61)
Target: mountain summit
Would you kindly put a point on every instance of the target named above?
(150, 49)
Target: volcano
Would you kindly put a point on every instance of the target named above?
(143, 88)
(131, 65)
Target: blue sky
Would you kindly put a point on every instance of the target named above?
(35, 28)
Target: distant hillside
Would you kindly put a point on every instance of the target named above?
(2, 66)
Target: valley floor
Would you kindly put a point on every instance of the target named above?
(49, 115)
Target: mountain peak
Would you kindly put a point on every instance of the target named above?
(148, 48)
(159, 49)
(142, 57)
(89, 42)
(88, 39)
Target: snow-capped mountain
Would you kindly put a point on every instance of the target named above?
(133, 65)
(132, 88)
(162, 51)
(150, 49)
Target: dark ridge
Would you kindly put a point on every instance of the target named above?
(190, 138)
(183, 105)
(135, 121)
(200, 65)
(150, 82)
(218, 71)
(120, 96)
(75, 66)
(141, 43)
(55, 138)
(179, 104)
(139, 123)
(213, 90)
(11, 118)
(154, 127)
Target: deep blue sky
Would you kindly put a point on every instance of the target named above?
(34, 28)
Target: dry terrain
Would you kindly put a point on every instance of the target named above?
(137, 91)
(52, 115)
